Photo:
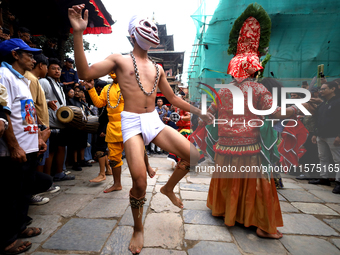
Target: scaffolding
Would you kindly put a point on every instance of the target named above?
(304, 35)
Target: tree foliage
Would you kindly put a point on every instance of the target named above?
(66, 47)
(69, 45)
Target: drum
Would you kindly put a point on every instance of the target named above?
(72, 116)
(92, 124)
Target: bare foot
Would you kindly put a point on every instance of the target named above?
(114, 187)
(99, 178)
(137, 241)
(264, 234)
(150, 171)
(171, 195)
(17, 247)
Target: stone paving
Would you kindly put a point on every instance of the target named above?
(81, 219)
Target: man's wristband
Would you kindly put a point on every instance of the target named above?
(41, 127)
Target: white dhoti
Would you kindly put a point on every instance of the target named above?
(148, 124)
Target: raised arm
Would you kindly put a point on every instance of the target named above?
(85, 71)
(101, 100)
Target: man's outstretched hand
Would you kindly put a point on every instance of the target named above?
(78, 23)
(88, 84)
(207, 118)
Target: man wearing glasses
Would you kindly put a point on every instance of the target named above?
(25, 35)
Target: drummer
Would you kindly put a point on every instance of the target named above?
(55, 99)
(111, 97)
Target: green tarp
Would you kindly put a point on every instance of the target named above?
(304, 35)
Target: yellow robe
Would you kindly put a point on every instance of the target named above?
(113, 131)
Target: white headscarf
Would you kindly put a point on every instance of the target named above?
(132, 24)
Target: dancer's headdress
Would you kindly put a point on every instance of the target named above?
(248, 40)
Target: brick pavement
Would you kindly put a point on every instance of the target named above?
(81, 219)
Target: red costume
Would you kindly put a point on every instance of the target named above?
(293, 138)
(245, 197)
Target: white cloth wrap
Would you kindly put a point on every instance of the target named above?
(148, 124)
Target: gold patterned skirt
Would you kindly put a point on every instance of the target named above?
(244, 197)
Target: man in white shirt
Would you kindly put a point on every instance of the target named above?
(18, 147)
(55, 99)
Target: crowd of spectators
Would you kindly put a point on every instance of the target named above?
(320, 160)
(34, 144)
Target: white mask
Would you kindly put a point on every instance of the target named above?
(145, 32)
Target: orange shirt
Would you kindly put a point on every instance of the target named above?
(114, 127)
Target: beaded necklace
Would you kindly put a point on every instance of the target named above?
(108, 98)
(138, 78)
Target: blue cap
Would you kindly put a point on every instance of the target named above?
(15, 44)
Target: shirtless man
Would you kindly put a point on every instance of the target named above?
(113, 136)
(138, 78)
